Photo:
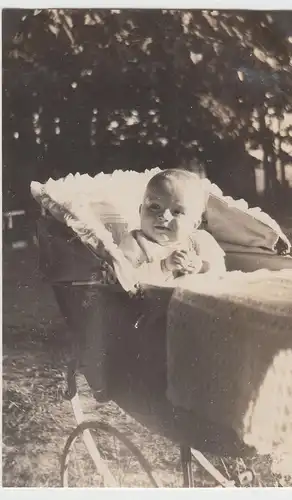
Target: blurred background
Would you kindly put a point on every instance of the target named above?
(99, 90)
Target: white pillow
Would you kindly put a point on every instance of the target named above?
(232, 221)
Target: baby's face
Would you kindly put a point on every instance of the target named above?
(169, 213)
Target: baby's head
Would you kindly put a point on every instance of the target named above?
(173, 205)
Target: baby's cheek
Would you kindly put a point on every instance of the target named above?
(186, 221)
(184, 227)
(148, 219)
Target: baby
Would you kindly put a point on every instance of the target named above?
(169, 243)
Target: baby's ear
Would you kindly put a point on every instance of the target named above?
(204, 221)
(198, 224)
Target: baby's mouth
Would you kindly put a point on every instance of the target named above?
(162, 228)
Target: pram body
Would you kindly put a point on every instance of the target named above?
(122, 356)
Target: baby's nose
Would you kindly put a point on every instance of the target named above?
(167, 215)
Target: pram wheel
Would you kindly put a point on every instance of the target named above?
(245, 478)
(115, 462)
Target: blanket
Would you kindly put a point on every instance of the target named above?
(229, 354)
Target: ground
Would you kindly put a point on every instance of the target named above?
(37, 419)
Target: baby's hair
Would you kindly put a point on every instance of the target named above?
(180, 175)
(173, 174)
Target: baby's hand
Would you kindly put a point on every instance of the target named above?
(175, 261)
(182, 262)
(192, 264)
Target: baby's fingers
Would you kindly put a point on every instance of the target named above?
(181, 255)
(178, 260)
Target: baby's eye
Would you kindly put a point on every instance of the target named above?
(178, 211)
(154, 206)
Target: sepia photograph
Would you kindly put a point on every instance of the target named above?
(146, 248)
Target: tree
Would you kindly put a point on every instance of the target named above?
(90, 90)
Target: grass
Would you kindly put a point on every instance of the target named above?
(37, 419)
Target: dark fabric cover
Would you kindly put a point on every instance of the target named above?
(62, 256)
(229, 345)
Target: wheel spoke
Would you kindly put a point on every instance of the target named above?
(215, 473)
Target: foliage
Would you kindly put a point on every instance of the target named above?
(90, 90)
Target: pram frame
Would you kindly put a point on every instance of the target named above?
(187, 453)
(84, 426)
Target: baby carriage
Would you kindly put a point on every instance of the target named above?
(126, 339)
